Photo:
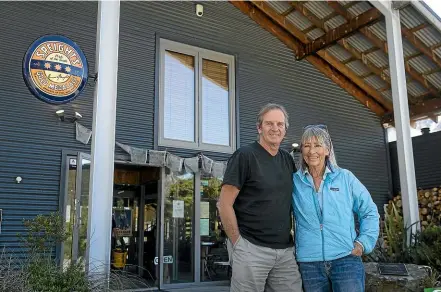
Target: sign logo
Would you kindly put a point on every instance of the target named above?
(55, 69)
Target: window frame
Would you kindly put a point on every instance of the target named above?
(199, 54)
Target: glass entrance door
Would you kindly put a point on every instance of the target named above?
(81, 209)
(177, 252)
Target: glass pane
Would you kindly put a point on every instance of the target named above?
(84, 208)
(215, 103)
(214, 254)
(179, 97)
(69, 216)
(178, 228)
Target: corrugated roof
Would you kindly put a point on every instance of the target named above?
(416, 89)
(408, 48)
(344, 2)
(437, 52)
(339, 52)
(279, 6)
(379, 58)
(376, 82)
(429, 36)
(358, 67)
(315, 33)
(387, 94)
(319, 8)
(359, 8)
(435, 79)
(422, 64)
(299, 20)
(360, 42)
(379, 30)
(335, 22)
(410, 17)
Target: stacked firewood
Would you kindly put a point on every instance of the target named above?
(429, 203)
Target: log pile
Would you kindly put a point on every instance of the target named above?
(429, 203)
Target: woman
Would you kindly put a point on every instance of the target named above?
(325, 198)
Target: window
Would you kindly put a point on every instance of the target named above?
(196, 98)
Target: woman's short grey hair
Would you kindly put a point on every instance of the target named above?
(269, 107)
(321, 133)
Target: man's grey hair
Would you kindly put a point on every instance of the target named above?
(269, 107)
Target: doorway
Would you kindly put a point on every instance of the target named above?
(135, 219)
(135, 215)
(156, 214)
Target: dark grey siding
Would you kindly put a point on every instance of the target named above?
(32, 139)
(31, 136)
(427, 159)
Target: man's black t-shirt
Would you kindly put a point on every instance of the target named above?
(263, 206)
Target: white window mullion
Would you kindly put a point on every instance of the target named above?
(199, 99)
(210, 111)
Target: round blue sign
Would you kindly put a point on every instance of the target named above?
(55, 69)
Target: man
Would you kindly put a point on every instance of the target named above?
(255, 209)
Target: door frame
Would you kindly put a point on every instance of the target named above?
(122, 159)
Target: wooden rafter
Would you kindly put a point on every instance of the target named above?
(331, 36)
(340, 66)
(288, 11)
(354, 52)
(350, 60)
(382, 45)
(419, 27)
(427, 108)
(414, 40)
(362, 56)
(290, 39)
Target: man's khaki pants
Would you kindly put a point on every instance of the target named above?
(258, 269)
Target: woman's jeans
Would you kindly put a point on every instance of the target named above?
(340, 275)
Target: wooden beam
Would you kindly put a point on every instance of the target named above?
(356, 79)
(427, 108)
(419, 27)
(330, 16)
(351, 59)
(290, 41)
(300, 7)
(367, 18)
(436, 46)
(266, 9)
(410, 57)
(366, 75)
(350, 4)
(309, 29)
(381, 44)
(288, 11)
(371, 50)
(346, 84)
(363, 57)
(414, 40)
(430, 72)
(348, 16)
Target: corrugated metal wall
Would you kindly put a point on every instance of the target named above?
(32, 138)
(427, 158)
